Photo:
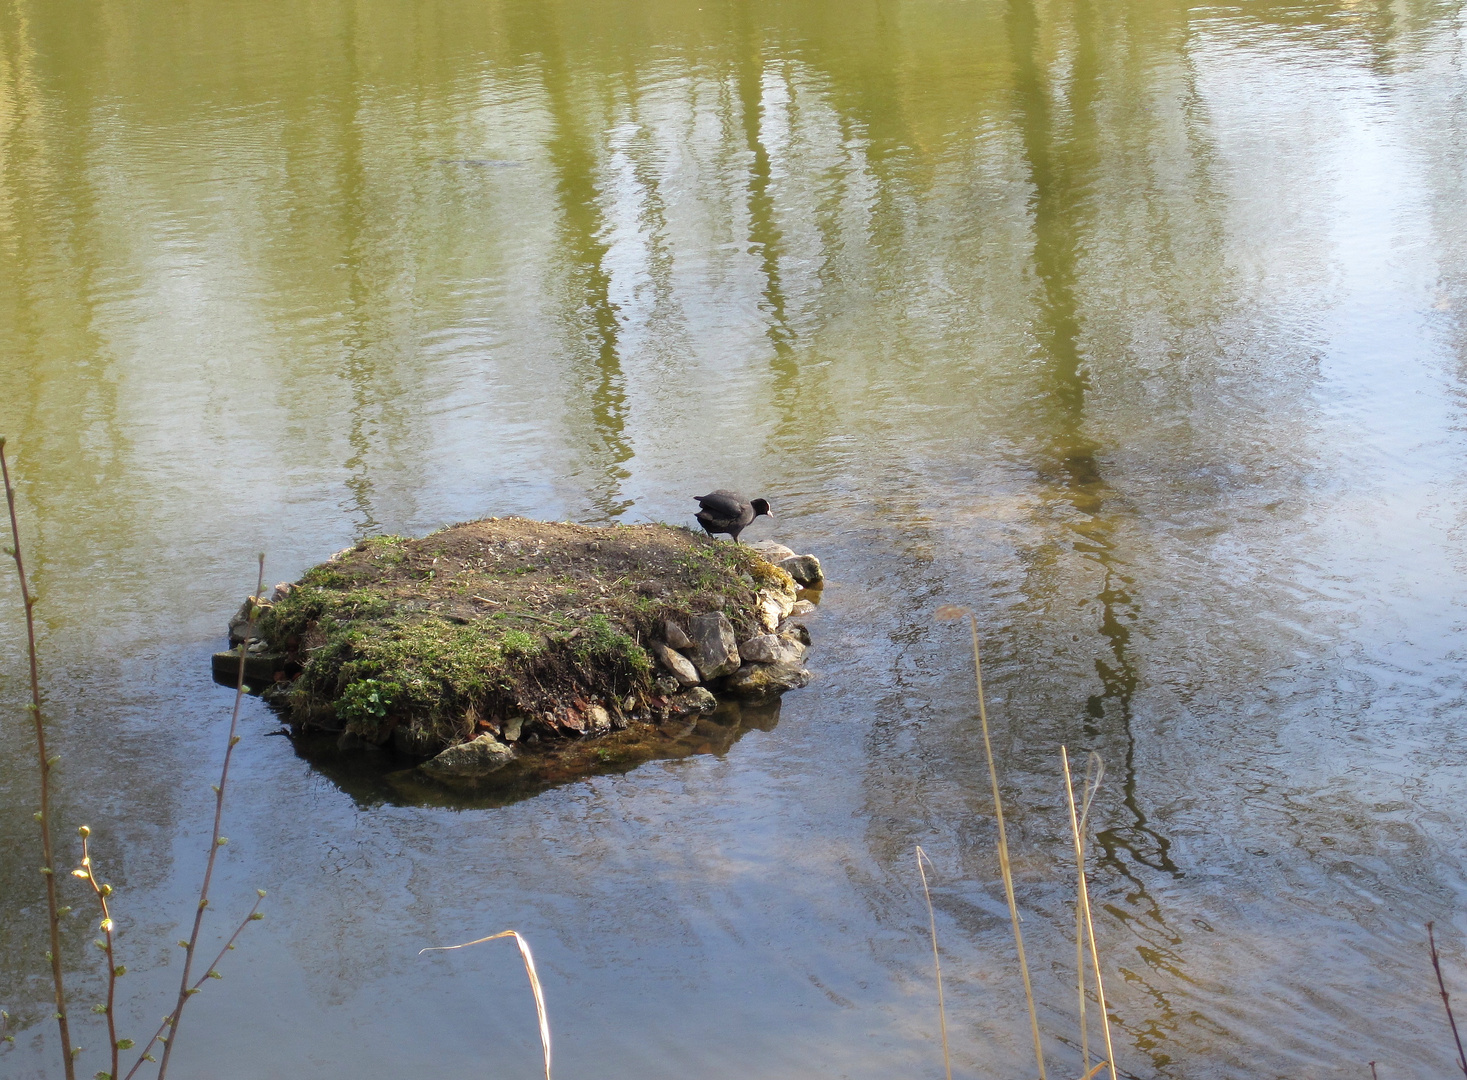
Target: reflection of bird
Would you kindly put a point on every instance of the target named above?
(729, 512)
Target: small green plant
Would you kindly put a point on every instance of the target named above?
(367, 700)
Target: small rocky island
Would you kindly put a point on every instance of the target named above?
(498, 641)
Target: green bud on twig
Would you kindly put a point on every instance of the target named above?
(105, 926)
(53, 761)
(39, 816)
(118, 972)
(64, 910)
(75, 1052)
(101, 945)
(183, 944)
(47, 870)
(124, 1044)
(106, 889)
(257, 916)
(83, 831)
(191, 991)
(260, 893)
(100, 1010)
(222, 841)
(215, 975)
(235, 741)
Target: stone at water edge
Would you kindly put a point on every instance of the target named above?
(715, 652)
(772, 551)
(805, 569)
(477, 757)
(598, 720)
(803, 607)
(698, 700)
(799, 631)
(766, 680)
(772, 649)
(773, 607)
(676, 637)
(681, 667)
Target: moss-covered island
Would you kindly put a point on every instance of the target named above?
(495, 640)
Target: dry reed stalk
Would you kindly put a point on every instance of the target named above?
(947, 1062)
(185, 991)
(1094, 773)
(1441, 982)
(950, 611)
(534, 977)
(43, 816)
(1083, 904)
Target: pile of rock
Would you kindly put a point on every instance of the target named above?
(705, 651)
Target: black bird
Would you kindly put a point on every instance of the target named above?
(729, 512)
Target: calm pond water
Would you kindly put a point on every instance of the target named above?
(1138, 327)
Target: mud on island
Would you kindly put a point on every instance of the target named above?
(502, 641)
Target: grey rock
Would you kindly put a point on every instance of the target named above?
(802, 607)
(805, 569)
(698, 699)
(667, 686)
(598, 720)
(676, 636)
(715, 652)
(771, 551)
(765, 680)
(477, 757)
(282, 590)
(759, 650)
(513, 727)
(773, 649)
(675, 662)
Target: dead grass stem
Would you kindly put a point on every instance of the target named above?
(1083, 901)
(530, 971)
(947, 1061)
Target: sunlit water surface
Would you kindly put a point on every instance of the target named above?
(1137, 327)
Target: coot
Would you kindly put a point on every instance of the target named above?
(729, 512)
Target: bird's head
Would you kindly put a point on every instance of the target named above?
(761, 508)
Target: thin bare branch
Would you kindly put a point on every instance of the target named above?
(46, 764)
(216, 842)
(1441, 982)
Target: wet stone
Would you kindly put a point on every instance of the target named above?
(477, 757)
(805, 569)
(766, 680)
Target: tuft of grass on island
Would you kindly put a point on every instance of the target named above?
(511, 642)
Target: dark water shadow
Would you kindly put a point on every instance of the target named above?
(374, 777)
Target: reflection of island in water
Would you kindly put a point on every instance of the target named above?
(384, 777)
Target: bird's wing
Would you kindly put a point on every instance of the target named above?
(721, 503)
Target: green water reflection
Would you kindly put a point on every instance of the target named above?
(1135, 326)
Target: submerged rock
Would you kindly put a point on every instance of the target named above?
(477, 757)
(715, 651)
